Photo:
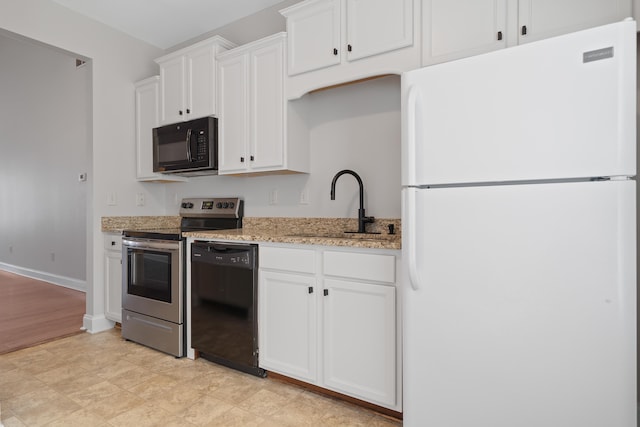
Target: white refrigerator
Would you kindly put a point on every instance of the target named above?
(519, 236)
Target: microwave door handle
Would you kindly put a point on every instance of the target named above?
(188, 141)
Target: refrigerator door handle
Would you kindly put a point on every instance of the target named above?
(412, 107)
(412, 264)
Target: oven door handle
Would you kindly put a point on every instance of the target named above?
(151, 244)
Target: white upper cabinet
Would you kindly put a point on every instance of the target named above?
(253, 115)
(314, 36)
(188, 81)
(172, 78)
(378, 26)
(267, 106)
(338, 41)
(539, 19)
(147, 94)
(233, 113)
(447, 36)
(454, 29)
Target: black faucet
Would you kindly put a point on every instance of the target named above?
(362, 219)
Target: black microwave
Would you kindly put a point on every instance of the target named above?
(187, 148)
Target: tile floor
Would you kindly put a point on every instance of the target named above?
(100, 380)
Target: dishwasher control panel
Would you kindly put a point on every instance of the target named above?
(238, 255)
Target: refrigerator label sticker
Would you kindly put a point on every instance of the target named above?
(597, 55)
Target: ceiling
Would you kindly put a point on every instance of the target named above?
(166, 23)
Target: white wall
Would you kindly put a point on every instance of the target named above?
(45, 141)
(351, 127)
(355, 127)
(118, 61)
(253, 27)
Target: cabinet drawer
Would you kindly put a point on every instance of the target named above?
(113, 242)
(374, 267)
(296, 260)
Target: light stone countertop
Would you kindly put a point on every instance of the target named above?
(302, 231)
(310, 231)
(357, 240)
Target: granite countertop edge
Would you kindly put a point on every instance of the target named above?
(241, 235)
(273, 230)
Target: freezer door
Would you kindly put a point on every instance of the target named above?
(554, 109)
(521, 310)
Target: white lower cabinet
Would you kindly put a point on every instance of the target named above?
(331, 318)
(359, 340)
(288, 324)
(113, 277)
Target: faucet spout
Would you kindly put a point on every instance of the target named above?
(362, 218)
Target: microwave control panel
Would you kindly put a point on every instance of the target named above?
(201, 144)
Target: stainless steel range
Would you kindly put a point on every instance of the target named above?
(153, 281)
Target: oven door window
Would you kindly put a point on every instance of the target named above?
(149, 274)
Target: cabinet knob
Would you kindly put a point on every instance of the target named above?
(524, 30)
(349, 47)
(310, 289)
(251, 158)
(188, 111)
(326, 292)
(241, 159)
(335, 51)
(180, 112)
(499, 35)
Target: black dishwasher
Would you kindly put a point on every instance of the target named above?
(224, 304)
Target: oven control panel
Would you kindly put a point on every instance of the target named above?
(224, 207)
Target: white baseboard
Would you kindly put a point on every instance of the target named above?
(67, 282)
(95, 324)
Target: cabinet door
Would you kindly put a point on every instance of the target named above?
(446, 36)
(113, 285)
(314, 36)
(539, 19)
(287, 324)
(172, 77)
(360, 340)
(147, 115)
(233, 123)
(267, 104)
(200, 83)
(377, 26)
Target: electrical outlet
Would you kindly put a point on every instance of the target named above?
(304, 196)
(140, 199)
(273, 197)
(82, 177)
(112, 199)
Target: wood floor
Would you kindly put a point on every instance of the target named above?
(33, 312)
